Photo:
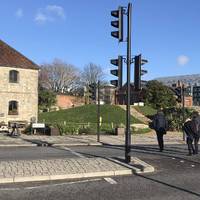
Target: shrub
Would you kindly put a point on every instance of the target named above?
(66, 129)
(175, 117)
(86, 130)
(107, 128)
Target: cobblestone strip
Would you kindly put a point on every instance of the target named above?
(37, 170)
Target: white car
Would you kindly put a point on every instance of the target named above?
(4, 128)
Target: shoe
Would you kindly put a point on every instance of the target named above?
(189, 154)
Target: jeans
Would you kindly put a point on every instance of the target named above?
(191, 148)
(160, 140)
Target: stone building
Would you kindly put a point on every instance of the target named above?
(18, 86)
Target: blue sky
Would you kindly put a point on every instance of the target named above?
(166, 32)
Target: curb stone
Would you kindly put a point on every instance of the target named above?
(138, 166)
(18, 145)
(77, 144)
(65, 176)
(143, 166)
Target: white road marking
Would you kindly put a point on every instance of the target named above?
(74, 152)
(192, 165)
(50, 185)
(110, 180)
(173, 158)
(182, 161)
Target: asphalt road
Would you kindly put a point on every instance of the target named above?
(176, 176)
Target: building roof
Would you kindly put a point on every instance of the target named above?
(186, 79)
(9, 57)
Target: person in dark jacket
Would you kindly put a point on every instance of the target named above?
(196, 129)
(188, 129)
(160, 125)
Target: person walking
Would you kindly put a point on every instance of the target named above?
(188, 129)
(160, 125)
(196, 129)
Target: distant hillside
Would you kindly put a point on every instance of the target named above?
(186, 79)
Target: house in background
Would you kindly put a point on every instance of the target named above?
(18, 86)
(107, 94)
(135, 96)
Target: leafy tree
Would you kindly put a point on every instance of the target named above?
(175, 117)
(159, 95)
(46, 99)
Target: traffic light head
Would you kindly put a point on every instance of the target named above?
(117, 72)
(92, 91)
(178, 92)
(138, 72)
(118, 23)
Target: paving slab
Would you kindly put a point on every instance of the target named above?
(56, 169)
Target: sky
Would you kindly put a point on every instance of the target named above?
(165, 32)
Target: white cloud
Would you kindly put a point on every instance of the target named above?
(19, 13)
(41, 18)
(49, 14)
(182, 60)
(58, 10)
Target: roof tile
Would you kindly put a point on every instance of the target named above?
(9, 57)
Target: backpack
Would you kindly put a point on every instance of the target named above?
(187, 128)
(160, 123)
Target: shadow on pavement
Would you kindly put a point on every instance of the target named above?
(169, 185)
(38, 142)
(169, 153)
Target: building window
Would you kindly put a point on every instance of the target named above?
(13, 108)
(13, 76)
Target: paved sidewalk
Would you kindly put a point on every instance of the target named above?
(54, 169)
(73, 140)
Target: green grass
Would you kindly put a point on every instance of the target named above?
(146, 110)
(87, 113)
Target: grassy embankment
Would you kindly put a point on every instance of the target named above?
(84, 119)
(87, 114)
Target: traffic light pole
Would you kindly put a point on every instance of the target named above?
(128, 61)
(183, 107)
(98, 112)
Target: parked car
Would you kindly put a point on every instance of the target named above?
(3, 127)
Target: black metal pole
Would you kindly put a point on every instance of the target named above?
(98, 112)
(128, 134)
(183, 107)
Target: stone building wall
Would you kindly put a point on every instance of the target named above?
(25, 92)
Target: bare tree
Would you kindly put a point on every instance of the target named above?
(92, 73)
(59, 76)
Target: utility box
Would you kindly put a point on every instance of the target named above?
(54, 131)
(120, 131)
